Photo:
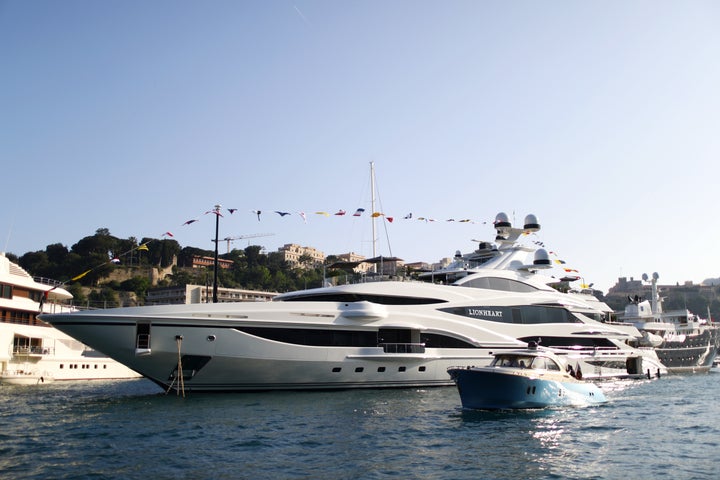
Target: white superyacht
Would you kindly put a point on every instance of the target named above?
(371, 335)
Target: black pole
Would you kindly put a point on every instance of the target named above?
(215, 273)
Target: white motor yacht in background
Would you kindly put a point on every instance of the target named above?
(510, 264)
(31, 351)
(683, 341)
(375, 334)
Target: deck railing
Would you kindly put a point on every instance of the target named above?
(403, 347)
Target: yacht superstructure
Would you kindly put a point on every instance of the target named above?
(33, 352)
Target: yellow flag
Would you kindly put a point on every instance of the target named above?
(80, 276)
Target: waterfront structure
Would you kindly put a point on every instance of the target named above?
(187, 294)
(293, 253)
(199, 261)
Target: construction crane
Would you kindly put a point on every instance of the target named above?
(241, 237)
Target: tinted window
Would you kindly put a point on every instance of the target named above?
(495, 283)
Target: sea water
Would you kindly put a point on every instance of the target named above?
(662, 428)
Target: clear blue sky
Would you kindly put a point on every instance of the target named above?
(600, 117)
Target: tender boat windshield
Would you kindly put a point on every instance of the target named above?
(525, 361)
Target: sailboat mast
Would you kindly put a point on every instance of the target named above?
(372, 208)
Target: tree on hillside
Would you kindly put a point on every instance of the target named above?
(160, 252)
(186, 255)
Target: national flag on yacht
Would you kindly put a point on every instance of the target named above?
(190, 221)
(358, 212)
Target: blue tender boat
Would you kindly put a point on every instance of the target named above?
(521, 379)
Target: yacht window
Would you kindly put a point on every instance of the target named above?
(571, 342)
(358, 297)
(516, 361)
(551, 365)
(316, 338)
(496, 283)
(542, 363)
(435, 340)
(539, 363)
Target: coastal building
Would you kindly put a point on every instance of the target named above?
(199, 261)
(293, 254)
(203, 294)
(353, 257)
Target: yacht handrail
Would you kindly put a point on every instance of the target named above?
(403, 347)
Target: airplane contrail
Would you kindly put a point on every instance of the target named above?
(301, 14)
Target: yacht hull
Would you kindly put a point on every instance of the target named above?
(694, 353)
(220, 356)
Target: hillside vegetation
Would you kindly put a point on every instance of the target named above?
(92, 267)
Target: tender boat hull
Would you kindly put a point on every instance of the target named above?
(492, 389)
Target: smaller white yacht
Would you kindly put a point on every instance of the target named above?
(31, 351)
(514, 263)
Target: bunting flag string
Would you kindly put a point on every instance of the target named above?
(114, 259)
(359, 212)
(362, 212)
